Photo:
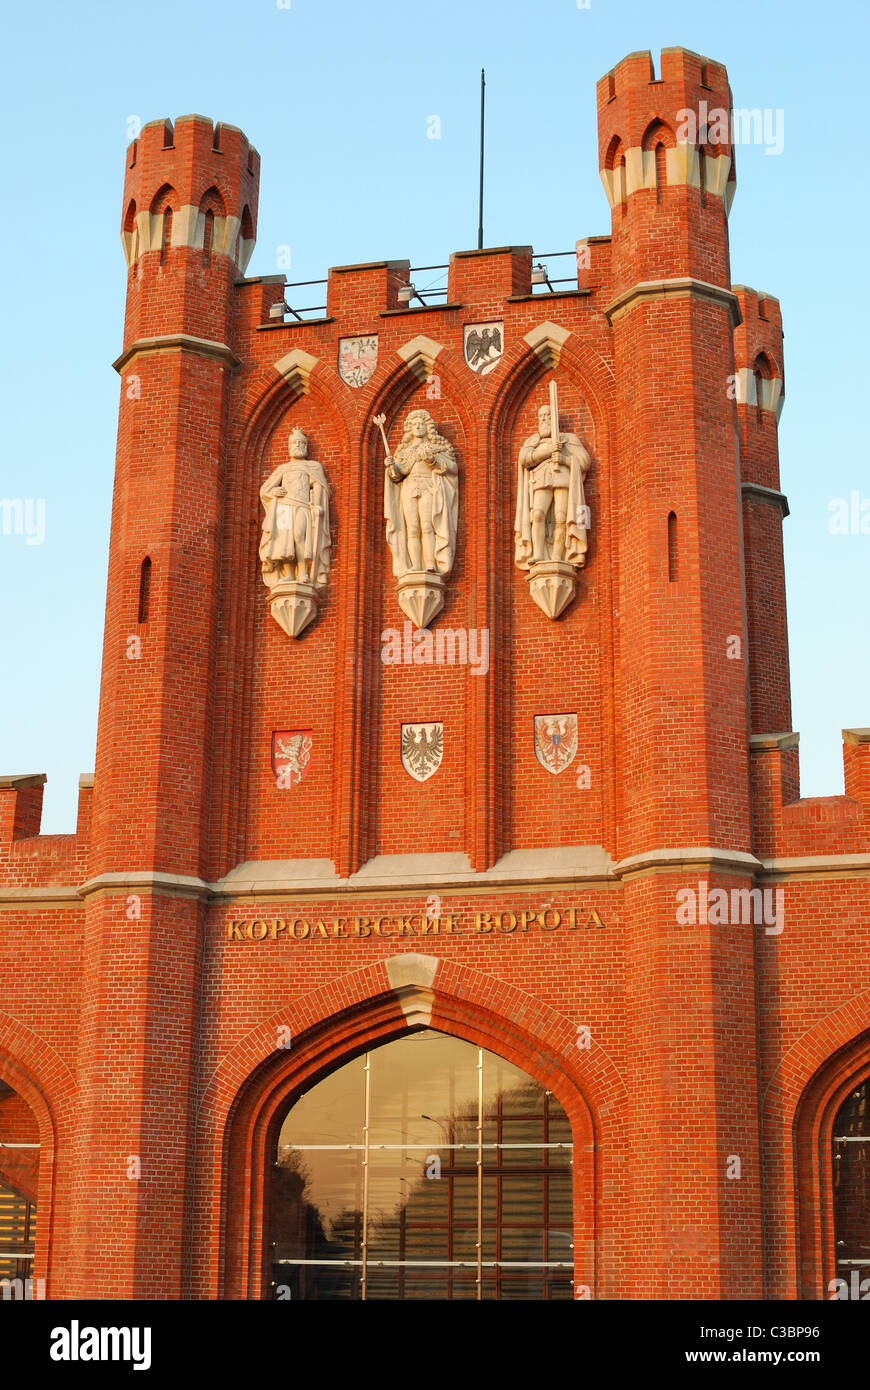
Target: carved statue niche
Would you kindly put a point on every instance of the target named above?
(551, 516)
(295, 545)
(421, 509)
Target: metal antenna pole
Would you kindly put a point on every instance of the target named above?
(480, 219)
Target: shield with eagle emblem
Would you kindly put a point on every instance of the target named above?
(422, 749)
(483, 346)
(555, 741)
(291, 754)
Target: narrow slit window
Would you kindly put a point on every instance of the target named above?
(145, 589)
(207, 235)
(661, 171)
(702, 174)
(759, 395)
(167, 236)
(672, 547)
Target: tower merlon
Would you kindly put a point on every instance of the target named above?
(194, 170)
(497, 271)
(21, 806)
(856, 763)
(372, 286)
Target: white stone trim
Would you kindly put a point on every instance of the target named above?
(769, 494)
(682, 170)
(682, 857)
(316, 878)
(784, 741)
(855, 737)
(411, 977)
(188, 229)
(399, 874)
(50, 896)
(747, 394)
(716, 171)
(816, 865)
(683, 166)
(419, 354)
(171, 885)
(296, 368)
(547, 340)
(682, 287)
(175, 342)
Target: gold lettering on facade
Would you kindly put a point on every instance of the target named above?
(502, 921)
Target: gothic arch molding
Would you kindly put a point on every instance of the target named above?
(592, 376)
(798, 1108)
(273, 396)
(256, 1082)
(40, 1076)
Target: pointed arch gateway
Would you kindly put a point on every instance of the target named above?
(534, 1080)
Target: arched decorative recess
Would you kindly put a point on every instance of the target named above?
(791, 1107)
(40, 1076)
(398, 380)
(254, 1085)
(271, 395)
(813, 1162)
(527, 365)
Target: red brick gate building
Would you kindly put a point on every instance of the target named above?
(535, 874)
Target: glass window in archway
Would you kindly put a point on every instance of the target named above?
(19, 1175)
(426, 1168)
(851, 1164)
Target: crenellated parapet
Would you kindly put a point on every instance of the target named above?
(191, 184)
(684, 114)
(758, 358)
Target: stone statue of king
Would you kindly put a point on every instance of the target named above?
(551, 515)
(421, 499)
(295, 544)
(421, 509)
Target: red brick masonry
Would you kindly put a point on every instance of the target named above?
(138, 1015)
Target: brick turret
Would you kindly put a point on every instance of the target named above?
(190, 203)
(682, 648)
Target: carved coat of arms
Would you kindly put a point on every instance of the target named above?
(291, 754)
(483, 346)
(357, 359)
(422, 749)
(555, 741)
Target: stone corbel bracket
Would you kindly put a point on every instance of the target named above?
(411, 977)
(419, 355)
(296, 368)
(547, 340)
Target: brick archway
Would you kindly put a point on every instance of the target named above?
(814, 1179)
(256, 1084)
(42, 1079)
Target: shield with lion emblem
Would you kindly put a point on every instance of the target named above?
(291, 754)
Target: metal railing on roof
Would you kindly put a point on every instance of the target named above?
(277, 311)
(543, 282)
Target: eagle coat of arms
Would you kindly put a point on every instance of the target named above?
(555, 741)
(291, 754)
(422, 749)
(482, 343)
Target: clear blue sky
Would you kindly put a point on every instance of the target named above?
(337, 96)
